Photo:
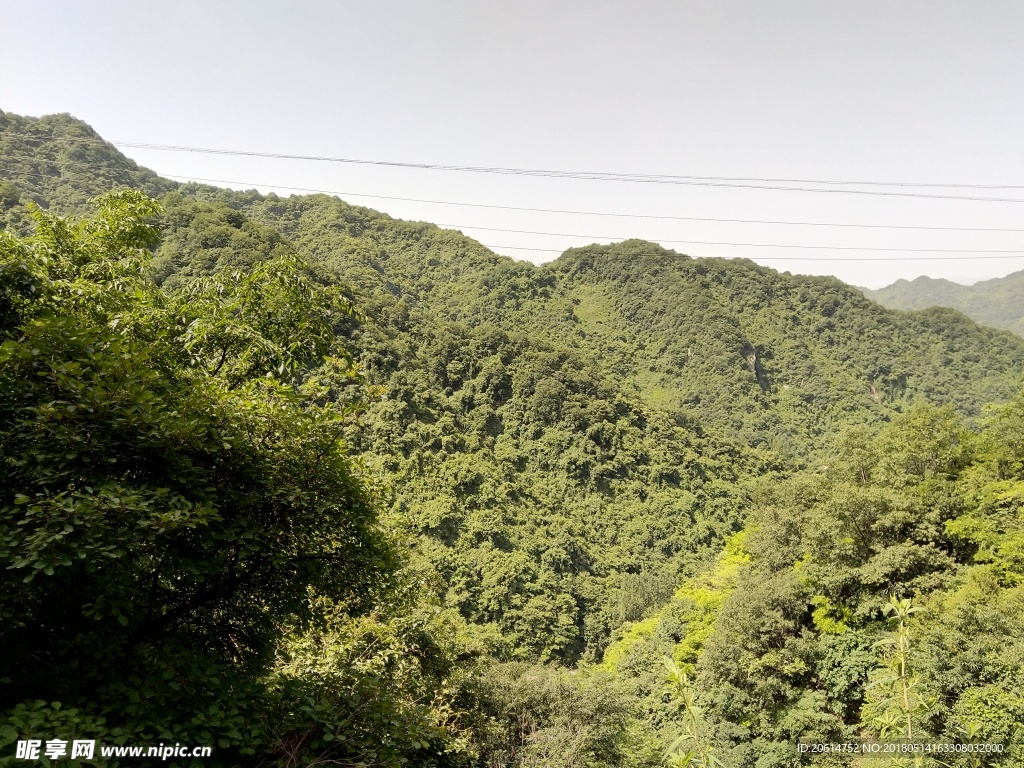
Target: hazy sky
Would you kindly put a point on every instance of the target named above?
(911, 92)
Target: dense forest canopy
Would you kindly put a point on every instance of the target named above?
(306, 482)
(993, 302)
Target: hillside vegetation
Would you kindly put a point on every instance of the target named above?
(395, 499)
(998, 302)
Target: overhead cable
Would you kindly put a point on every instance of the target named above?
(754, 183)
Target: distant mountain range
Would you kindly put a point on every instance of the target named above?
(998, 302)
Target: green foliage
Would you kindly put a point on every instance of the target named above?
(895, 702)
(379, 688)
(161, 521)
(778, 360)
(794, 652)
(993, 302)
(565, 454)
(203, 239)
(270, 321)
(61, 163)
(540, 716)
(694, 747)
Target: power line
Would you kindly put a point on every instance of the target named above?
(571, 212)
(584, 176)
(765, 184)
(973, 253)
(597, 213)
(608, 214)
(1012, 253)
(1018, 251)
(1019, 255)
(602, 174)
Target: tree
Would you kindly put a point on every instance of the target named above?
(895, 700)
(174, 484)
(694, 747)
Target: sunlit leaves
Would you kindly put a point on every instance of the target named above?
(160, 513)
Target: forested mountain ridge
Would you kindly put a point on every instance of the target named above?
(758, 355)
(583, 387)
(997, 302)
(60, 162)
(791, 358)
(623, 454)
(765, 356)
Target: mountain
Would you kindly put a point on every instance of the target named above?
(60, 162)
(624, 454)
(621, 381)
(738, 349)
(998, 302)
(769, 357)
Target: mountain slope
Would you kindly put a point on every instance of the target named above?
(59, 162)
(735, 348)
(562, 441)
(998, 302)
(773, 356)
(624, 455)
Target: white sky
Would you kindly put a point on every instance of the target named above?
(909, 91)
